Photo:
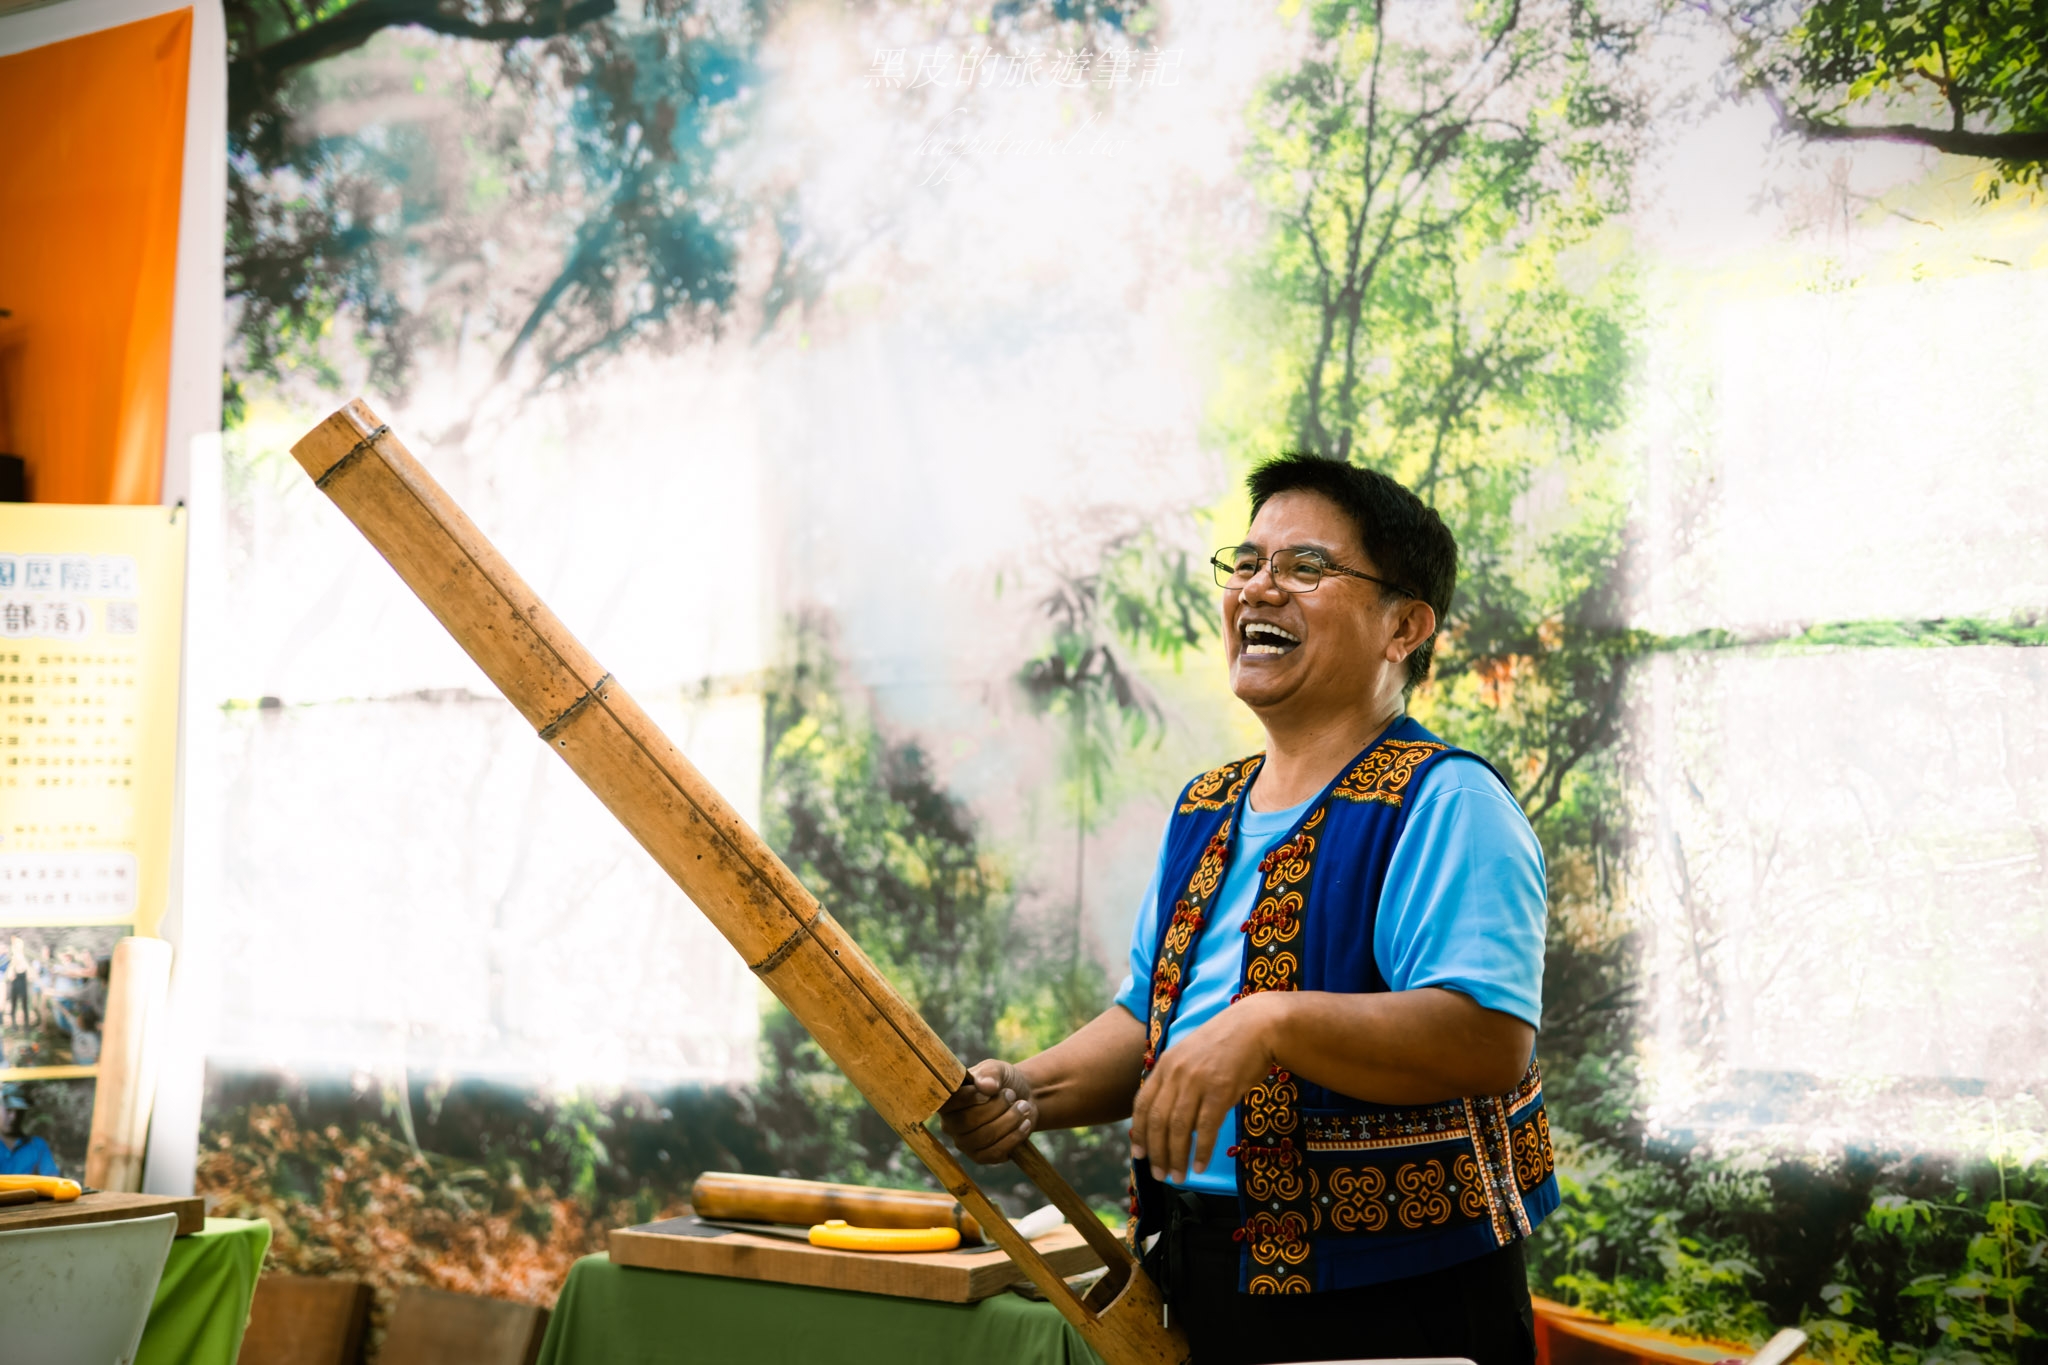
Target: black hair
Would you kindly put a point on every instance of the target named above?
(1407, 540)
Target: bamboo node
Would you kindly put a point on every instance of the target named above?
(575, 708)
(786, 947)
(354, 452)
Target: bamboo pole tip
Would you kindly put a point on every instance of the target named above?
(137, 950)
(326, 445)
(142, 958)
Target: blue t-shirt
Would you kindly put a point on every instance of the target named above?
(1463, 907)
(30, 1156)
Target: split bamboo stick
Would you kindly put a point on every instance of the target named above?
(788, 940)
(138, 984)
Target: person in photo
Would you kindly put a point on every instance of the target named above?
(21, 1154)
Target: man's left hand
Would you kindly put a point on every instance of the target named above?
(1182, 1105)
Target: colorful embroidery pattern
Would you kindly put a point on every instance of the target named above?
(1409, 1169)
(1528, 1089)
(1356, 1199)
(1387, 1128)
(1353, 1199)
(1268, 1166)
(1421, 1184)
(1218, 788)
(1465, 1178)
(1190, 913)
(1534, 1159)
(1268, 1110)
(1183, 931)
(1383, 774)
(1280, 1248)
(1501, 1159)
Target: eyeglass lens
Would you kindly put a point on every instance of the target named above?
(1295, 572)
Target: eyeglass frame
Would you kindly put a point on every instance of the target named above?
(1265, 562)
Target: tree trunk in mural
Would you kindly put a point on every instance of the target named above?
(785, 936)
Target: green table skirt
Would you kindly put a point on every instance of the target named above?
(617, 1315)
(202, 1302)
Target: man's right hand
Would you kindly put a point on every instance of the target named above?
(993, 1112)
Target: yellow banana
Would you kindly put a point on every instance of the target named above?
(49, 1186)
(838, 1235)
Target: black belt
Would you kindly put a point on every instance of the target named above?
(1210, 1212)
(1189, 1213)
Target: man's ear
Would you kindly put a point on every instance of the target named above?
(1417, 624)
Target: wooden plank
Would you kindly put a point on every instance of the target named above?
(104, 1206)
(306, 1320)
(434, 1327)
(939, 1276)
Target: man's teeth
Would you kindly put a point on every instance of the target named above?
(1263, 637)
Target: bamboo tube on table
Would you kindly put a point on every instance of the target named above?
(787, 939)
(727, 1196)
(130, 1049)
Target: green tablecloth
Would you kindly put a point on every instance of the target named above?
(202, 1302)
(617, 1315)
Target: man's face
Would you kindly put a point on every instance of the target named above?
(10, 1121)
(1336, 657)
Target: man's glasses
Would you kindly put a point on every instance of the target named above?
(1293, 570)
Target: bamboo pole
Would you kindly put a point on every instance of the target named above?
(726, 1195)
(786, 938)
(130, 1048)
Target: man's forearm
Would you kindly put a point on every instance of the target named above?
(1397, 1047)
(1092, 1075)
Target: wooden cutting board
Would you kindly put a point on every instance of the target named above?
(944, 1276)
(104, 1206)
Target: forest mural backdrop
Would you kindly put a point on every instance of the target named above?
(866, 383)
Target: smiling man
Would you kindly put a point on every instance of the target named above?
(1326, 1045)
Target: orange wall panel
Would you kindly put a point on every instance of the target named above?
(92, 143)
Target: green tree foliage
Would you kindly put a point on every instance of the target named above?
(863, 824)
(365, 197)
(1443, 310)
(1881, 1260)
(572, 180)
(1082, 680)
(1443, 298)
(1142, 599)
(1968, 77)
(1422, 196)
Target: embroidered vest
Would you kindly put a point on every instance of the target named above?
(1336, 1191)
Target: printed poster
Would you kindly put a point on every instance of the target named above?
(91, 605)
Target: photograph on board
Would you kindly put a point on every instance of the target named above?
(53, 992)
(45, 1127)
